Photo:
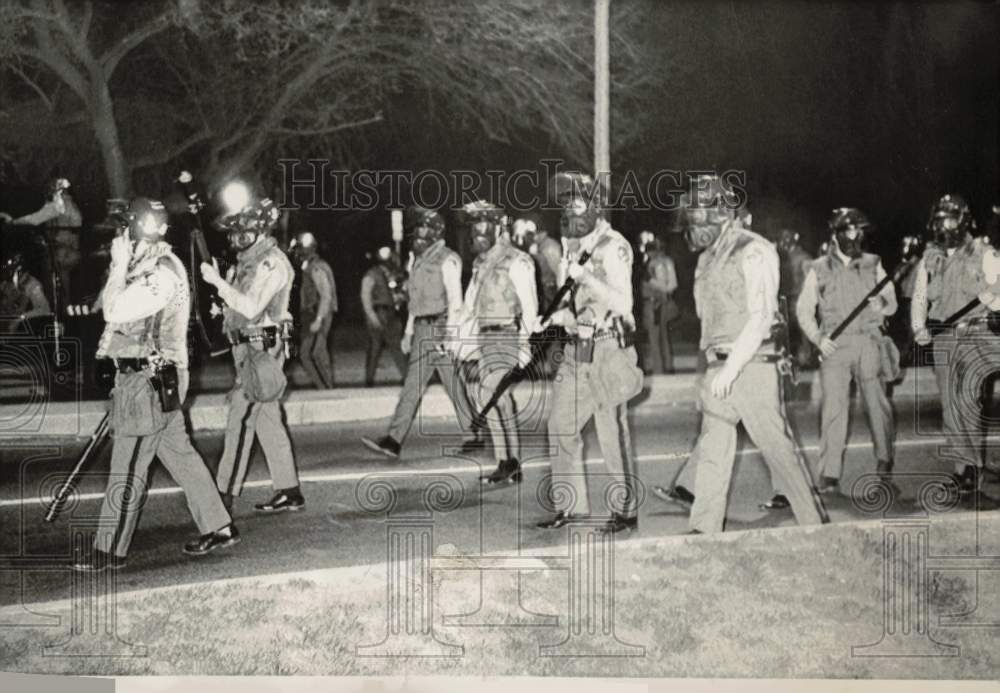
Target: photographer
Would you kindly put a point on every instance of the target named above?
(60, 212)
(146, 305)
(21, 295)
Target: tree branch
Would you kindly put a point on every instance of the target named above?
(172, 153)
(110, 60)
(46, 99)
(307, 132)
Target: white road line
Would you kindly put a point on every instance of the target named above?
(465, 469)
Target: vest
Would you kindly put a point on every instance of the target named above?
(648, 271)
(720, 287)
(309, 295)
(131, 340)
(427, 292)
(840, 287)
(587, 305)
(248, 263)
(496, 301)
(952, 282)
(381, 293)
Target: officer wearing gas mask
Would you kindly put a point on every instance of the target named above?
(955, 269)
(659, 282)
(736, 297)
(21, 295)
(146, 305)
(317, 306)
(435, 289)
(530, 236)
(501, 304)
(257, 322)
(381, 296)
(834, 285)
(599, 373)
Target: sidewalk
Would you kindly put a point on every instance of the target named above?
(207, 411)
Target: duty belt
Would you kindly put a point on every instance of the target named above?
(131, 365)
(760, 358)
(424, 319)
(268, 335)
(509, 327)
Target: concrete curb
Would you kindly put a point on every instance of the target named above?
(312, 407)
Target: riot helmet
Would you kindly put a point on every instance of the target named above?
(848, 226)
(486, 223)
(950, 221)
(424, 226)
(581, 200)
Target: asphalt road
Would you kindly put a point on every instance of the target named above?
(339, 479)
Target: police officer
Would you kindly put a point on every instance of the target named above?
(599, 373)
(146, 303)
(378, 299)
(834, 285)
(256, 319)
(530, 236)
(61, 213)
(21, 295)
(317, 306)
(659, 282)
(435, 288)
(736, 297)
(500, 305)
(794, 261)
(955, 269)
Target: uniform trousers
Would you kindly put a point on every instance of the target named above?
(577, 398)
(125, 497)
(755, 400)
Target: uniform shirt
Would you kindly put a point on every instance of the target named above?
(990, 296)
(375, 292)
(131, 295)
(59, 211)
(522, 277)
(759, 265)
(451, 276)
(808, 301)
(319, 288)
(272, 275)
(604, 291)
(662, 278)
(24, 296)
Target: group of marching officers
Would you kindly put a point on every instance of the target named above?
(473, 339)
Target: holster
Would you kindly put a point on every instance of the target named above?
(166, 382)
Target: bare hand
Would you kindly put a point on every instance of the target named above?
(575, 271)
(121, 251)
(210, 273)
(6, 218)
(722, 384)
(922, 336)
(315, 325)
(406, 343)
(523, 352)
(827, 346)
(877, 303)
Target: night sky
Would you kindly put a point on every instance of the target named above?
(884, 106)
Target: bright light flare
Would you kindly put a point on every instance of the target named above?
(235, 197)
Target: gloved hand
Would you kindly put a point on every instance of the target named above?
(827, 346)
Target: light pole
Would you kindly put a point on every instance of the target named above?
(602, 92)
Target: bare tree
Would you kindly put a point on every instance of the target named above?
(51, 45)
(232, 82)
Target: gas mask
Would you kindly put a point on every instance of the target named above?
(850, 242)
(704, 226)
(848, 226)
(578, 218)
(950, 221)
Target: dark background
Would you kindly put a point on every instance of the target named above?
(884, 106)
